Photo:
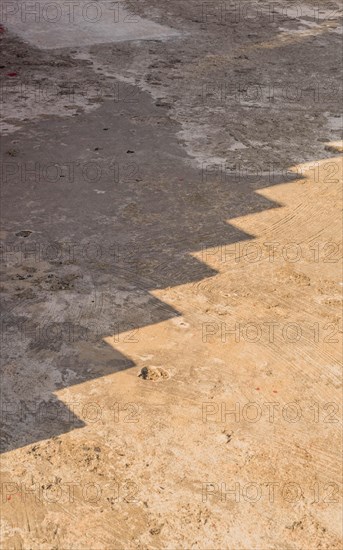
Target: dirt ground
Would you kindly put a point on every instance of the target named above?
(172, 279)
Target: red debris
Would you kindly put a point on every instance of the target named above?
(12, 74)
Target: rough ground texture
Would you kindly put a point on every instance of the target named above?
(172, 289)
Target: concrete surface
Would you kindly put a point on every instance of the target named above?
(59, 24)
(172, 283)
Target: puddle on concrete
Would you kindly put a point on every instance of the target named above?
(61, 24)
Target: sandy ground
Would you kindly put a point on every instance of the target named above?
(171, 279)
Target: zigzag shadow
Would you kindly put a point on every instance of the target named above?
(150, 224)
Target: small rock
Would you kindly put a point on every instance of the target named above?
(156, 530)
(24, 233)
(153, 373)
